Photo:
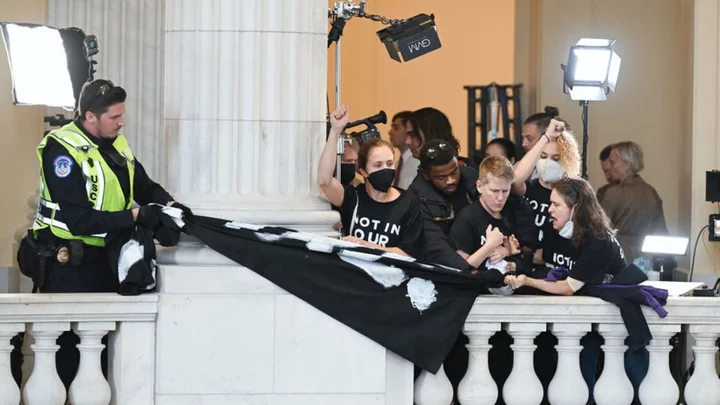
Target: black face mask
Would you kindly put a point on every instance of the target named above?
(381, 180)
(347, 173)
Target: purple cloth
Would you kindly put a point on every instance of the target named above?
(557, 274)
(651, 294)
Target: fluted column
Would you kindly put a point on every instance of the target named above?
(130, 34)
(244, 107)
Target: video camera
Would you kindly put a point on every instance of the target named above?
(370, 132)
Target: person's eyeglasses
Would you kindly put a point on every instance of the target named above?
(433, 152)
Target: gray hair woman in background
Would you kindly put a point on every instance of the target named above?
(634, 207)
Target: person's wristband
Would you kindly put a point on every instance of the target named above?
(546, 137)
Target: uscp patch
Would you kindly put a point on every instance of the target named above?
(63, 166)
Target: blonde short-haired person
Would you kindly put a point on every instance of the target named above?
(484, 232)
(634, 207)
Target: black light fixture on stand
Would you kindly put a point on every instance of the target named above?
(404, 40)
(590, 73)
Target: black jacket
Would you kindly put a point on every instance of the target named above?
(438, 216)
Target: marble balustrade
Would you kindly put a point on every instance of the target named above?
(43, 317)
(131, 324)
(569, 319)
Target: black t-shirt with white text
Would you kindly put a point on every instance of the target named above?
(390, 224)
(468, 230)
(599, 258)
(556, 250)
(539, 199)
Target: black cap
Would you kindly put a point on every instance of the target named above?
(92, 91)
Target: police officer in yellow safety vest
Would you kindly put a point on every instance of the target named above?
(88, 182)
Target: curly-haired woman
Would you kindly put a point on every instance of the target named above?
(555, 155)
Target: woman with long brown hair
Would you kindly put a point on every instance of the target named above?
(577, 216)
(594, 256)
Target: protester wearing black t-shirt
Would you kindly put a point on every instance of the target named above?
(577, 216)
(554, 156)
(556, 250)
(537, 192)
(374, 214)
(484, 232)
(386, 224)
(481, 229)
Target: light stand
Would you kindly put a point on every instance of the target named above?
(590, 74)
(584, 104)
(406, 39)
(340, 14)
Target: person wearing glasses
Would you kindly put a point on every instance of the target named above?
(89, 180)
(445, 188)
(373, 214)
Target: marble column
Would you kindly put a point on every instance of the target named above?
(244, 109)
(130, 34)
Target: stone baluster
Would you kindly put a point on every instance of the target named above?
(704, 385)
(478, 386)
(131, 359)
(44, 386)
(613, 387)
(568, 386)
(90, 386)
(659, 386)
(433, 389)
(9, 391)
(523, 386)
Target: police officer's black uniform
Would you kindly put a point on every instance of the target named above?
(92, 272)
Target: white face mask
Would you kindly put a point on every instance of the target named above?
(549, 170)
(567, 230)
